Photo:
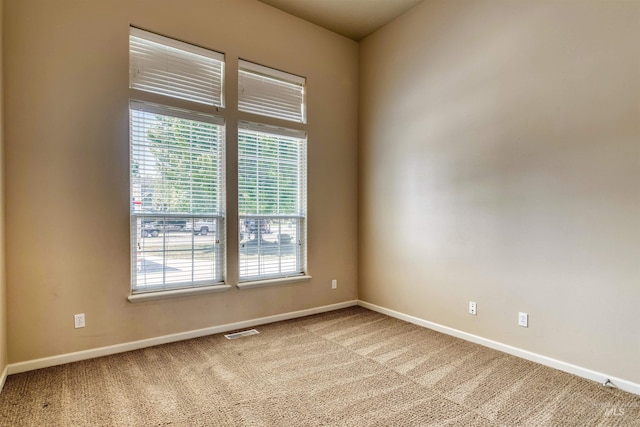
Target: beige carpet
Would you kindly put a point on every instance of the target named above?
(351, 367)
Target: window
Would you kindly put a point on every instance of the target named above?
(177, 170)
(270, 92)
(177, 182)
(272, 175)
(180, 70)
(271, 202)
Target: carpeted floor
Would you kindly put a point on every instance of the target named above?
(351, 367)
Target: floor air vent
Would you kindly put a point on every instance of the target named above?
(241, 334)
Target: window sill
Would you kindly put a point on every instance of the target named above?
(273, 282)
(175, 293)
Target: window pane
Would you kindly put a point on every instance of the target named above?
(171, 253)
(173, 68)
(272, 174)
(269, 92)
(176, 163)
(270, 247)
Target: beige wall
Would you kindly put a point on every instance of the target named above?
(3, 291)
(500, 163)
(67, 193)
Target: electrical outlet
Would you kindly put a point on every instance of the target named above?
(78, 320)
(472, 308)
(523, 319)
(334, 284)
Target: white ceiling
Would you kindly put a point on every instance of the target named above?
(355, 19)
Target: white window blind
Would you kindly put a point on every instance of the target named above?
(177, 195)
(272, 186)
(169, 67)
(272, 93)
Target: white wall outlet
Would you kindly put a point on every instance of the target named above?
(472, 308)
(334, 284)
(78, 320)
(523, 319)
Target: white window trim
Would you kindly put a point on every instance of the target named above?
(165, 110)
(176, 44)
(271, 72)
(175, 293)
(276, 130)
(303, 277)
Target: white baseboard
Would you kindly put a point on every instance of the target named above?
(46, 362)
(524, 354)
(3, 377)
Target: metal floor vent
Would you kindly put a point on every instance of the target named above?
(241, 334)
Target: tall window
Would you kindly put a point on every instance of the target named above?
(272, 176)
(176, 166)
